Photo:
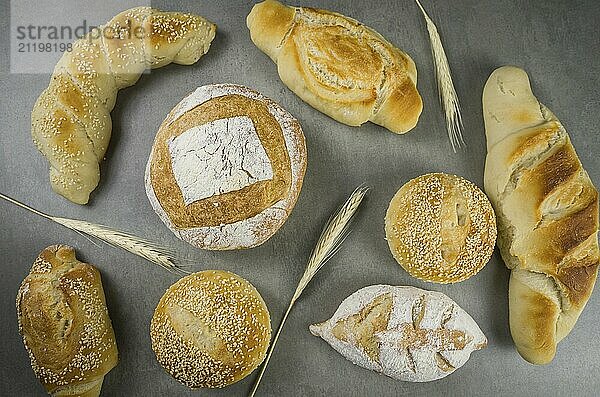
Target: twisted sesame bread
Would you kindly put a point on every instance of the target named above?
(210, 329)
(71, 122)
(338, 65)
(547, 209)
(65, 326)
(441, 228)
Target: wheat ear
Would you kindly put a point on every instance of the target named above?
(146, 249)
(448, 96)
(333, 235)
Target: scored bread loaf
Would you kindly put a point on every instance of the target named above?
(71, 122)
(547, 213)
(65, 326)
(440, 228)
(338, 66)
(405, 333)
(226, 168)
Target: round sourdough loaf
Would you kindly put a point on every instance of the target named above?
(226, 168)
(210, 329)
(441, 228)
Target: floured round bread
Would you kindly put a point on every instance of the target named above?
(226, 168)
(441, 228)
(210, 329)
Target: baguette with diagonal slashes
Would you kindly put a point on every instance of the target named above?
(547, 212)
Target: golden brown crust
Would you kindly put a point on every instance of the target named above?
(547, 210)
(441, 228)
(64, 323)
(227, 207)
(537, 342)
(70, 121)
(269, 22)
(339, 66)
(210, 329)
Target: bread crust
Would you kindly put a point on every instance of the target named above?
(70, 121)
(547, 209)
(441, 228)
(210, 329)
(243, 218)
(406, 333)
(65, 325)
(338, 66)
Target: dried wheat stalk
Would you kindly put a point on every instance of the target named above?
(448, 96)
(146, 249)
(333, 235)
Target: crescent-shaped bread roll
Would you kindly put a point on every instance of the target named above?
(338, 65)
(71, 122)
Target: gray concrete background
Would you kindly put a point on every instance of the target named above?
(557, 42)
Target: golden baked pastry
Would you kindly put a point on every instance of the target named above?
(547, 208)
(65, 326)
(441, 228)
(226, 167)
(70, 121)
(210, 329)
(338, 65)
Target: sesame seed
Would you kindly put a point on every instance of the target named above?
(210, 329)
(441, 228)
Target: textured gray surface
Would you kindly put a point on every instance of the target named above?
(555, 41)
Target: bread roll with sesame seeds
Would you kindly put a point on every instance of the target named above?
(65, 326)
(441, 228)
(210, 329)
(71, 122)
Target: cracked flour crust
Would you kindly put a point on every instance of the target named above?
(253, 231)
(406, 333)
(229, 153)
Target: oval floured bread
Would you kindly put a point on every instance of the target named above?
(210, 329)
(226, 168)
(441, 228)
(405, 333)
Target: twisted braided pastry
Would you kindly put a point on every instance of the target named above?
(71, 122)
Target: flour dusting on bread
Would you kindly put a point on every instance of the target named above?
(406, 333)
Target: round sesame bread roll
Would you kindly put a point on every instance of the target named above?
(210, 329)
(441, 228)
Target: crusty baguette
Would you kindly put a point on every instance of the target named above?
(547, 212)
(338, 66)
(65, 325)
(71, 122)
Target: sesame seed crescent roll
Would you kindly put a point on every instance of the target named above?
(71, 122)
